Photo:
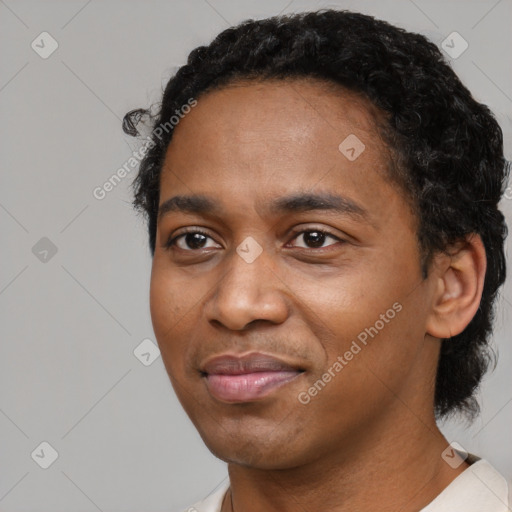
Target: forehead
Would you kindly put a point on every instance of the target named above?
(257, 138)
(299, 109)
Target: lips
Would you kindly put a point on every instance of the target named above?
(251, 377)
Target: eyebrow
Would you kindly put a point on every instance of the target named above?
(305, 202)
(296, 203)
(189, 204)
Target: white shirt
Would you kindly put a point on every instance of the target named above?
(480, 488)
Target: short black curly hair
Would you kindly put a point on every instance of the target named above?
(447, 149)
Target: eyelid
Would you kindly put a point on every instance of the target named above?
(305, 229)
(171, 240)
(295, 232)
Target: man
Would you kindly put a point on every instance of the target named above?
(321, 194)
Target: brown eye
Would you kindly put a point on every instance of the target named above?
(194, 240)
(314, 238)
(190, 241)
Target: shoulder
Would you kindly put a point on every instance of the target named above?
(479, 488)
(213, 502)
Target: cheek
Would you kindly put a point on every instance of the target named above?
(369, 314)
(162, 302)
(343, 301)
(171, 295)
(169, 305)
(380, 346)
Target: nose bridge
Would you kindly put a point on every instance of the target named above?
(247, 274)
(249, 290)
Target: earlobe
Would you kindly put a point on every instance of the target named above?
(459, 279)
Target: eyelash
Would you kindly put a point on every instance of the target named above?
(172, 240)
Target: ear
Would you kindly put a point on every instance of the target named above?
(458, 283)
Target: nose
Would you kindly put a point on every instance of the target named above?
(248, 292)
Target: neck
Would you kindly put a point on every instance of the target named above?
(388, 468)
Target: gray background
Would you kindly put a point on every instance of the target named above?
(71, 320)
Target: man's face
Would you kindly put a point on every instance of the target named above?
(328, 282)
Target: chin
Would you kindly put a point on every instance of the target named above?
(257, 448)
(255, 457)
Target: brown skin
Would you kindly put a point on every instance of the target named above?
(369, 439)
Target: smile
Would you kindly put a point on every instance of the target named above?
(231, 378)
